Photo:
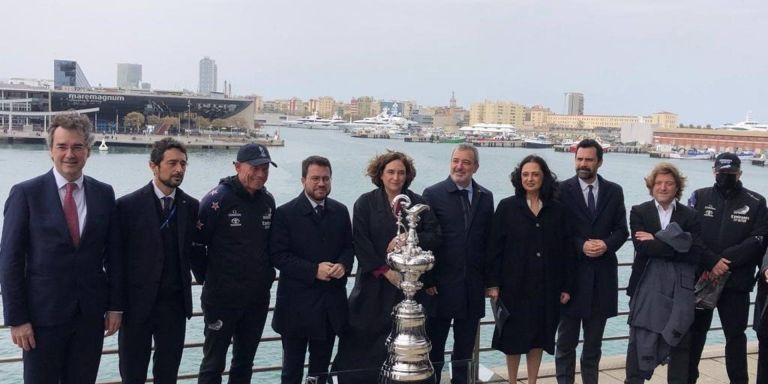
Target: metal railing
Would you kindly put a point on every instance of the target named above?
(276, 368)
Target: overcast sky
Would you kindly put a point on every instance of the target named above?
(705, 60)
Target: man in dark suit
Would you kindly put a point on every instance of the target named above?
(156, 226)
(311, 245)
(760, 323)
(599, 222)
(60, 267)
(455, 287)
(666, 184)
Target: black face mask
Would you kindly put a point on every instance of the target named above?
(726, 181)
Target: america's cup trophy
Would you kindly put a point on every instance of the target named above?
(407, 345)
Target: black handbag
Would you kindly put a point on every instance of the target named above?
(708, 290)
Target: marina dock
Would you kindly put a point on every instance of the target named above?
(146, 141)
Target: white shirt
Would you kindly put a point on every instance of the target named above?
(160, 193)
(469, 191)
(665, 215)
(585, 190)
(78, 194)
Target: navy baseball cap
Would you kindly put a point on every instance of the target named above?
(727, 162)
(254, 154)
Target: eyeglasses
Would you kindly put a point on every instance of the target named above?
(76, 148)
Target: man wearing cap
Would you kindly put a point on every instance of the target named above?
(231, 259)
(734, 223)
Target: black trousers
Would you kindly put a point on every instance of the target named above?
(464, 334)
(733, 309)
(294, 351)
(568, 340)
(66, 353)
(241, 327)
(166, 325)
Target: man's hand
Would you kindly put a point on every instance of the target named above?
(431, 291)
(394, 277)
(766, 275)
(493, 293)
(324, 271)
(594, 248)
(565, 297)
(337, 271)
(23, 336)
(112, 323)
(721, 267)
(643, 236)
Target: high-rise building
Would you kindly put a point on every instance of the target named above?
(497, 112)
(66, 73)
(575, 103)
(208, 75)
(128, 76)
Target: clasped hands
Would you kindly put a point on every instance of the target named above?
(327, 271)
(594, 248)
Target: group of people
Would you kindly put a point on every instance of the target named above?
(76, 265)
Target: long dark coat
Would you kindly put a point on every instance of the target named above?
(372, 298)
(597, 284)
(760, 323)
(299, 241)
(458, 271)
(517, 236)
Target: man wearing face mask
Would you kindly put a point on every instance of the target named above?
(734, 223)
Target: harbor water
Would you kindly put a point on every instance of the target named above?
(127, 169)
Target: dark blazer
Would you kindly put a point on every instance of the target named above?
(300, 240)
(45, 279)
(645, 217)
(597, 283)
(143, 248)
(460, 259)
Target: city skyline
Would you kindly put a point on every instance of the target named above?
(700, 59)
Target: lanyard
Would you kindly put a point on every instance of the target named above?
(168, 219)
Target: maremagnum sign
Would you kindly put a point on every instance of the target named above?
(113, 106)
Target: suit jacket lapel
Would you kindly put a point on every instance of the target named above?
(91, 203)
(602, 195)
(653, 212)
(181, 217)
(52, 191)
(574, 188)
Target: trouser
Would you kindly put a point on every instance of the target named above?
(733, 309)
(568, 340)
(167, 326)
(66, 353)
(294, 351)
(633, 374)
(241, 327)
(464, 334)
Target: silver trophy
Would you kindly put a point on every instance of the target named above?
(407, 345)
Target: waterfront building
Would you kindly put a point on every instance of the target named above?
(68, 74)
(497, 112)
(575, 103)
(717, 139)
(110, 106)
(208, 76)
(128, 76)
(326, 107)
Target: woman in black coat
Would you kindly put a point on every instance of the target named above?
(376, 292)
(528, 263)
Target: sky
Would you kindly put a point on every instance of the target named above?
(705, 60)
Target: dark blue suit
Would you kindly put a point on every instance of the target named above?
(158, 301)
(595, 297)
(309, 311)
(62, 290)
(458, 272)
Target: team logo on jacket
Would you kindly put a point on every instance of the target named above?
(709, 211)
(266, 220)
(234, 218)
(740, 215)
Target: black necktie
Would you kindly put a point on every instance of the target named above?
(319, 210)
(591, 202)
(167, 202)
(465, 207)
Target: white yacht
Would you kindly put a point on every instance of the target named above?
(746, 125)
(485, 131)
(314, 121)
